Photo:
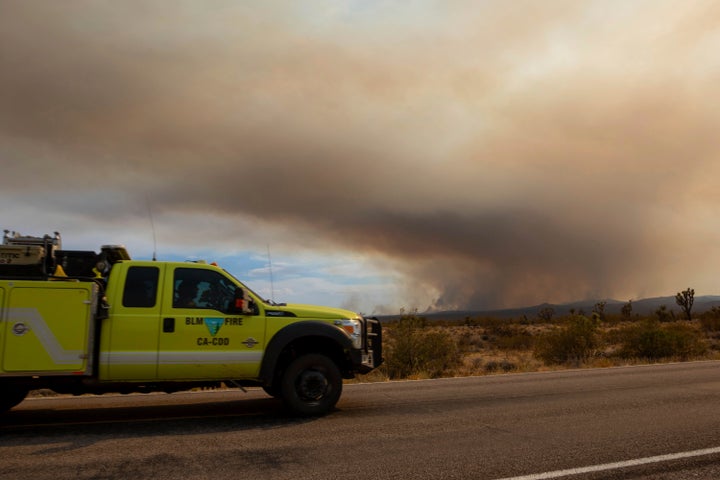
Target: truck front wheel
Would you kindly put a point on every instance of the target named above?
(311, 385)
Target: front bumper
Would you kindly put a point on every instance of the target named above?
(371, 356)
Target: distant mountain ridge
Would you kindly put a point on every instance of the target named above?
(646, 306)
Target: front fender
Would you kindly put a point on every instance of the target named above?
(293, 333)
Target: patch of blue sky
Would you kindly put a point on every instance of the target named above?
(330, 280)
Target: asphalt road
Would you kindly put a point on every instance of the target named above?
(654, 422)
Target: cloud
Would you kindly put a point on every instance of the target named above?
(492, 154)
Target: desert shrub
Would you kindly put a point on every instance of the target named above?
(514, 338)
(490, 323)
(653, 340)
(665, 315)
(612, 319)
(413, 348)
(710, 324)
(710, 320)
(505, 365)
(574, 342)
(506, 335)
(471, 342)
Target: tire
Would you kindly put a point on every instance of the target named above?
(311, 385)
(11, 396)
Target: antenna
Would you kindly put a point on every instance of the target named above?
(152, 226)
(272, 286)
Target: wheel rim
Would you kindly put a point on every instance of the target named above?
(312, 385)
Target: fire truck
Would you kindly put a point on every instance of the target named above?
(79, 322)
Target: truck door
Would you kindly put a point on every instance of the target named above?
(203, 336)
(131, 348)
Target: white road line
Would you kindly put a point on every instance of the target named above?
(616, 465)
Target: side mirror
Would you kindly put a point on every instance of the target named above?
(243, 303)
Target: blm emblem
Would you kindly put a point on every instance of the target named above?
(213, 325)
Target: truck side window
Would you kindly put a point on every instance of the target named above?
(199, 288)
(141, 286)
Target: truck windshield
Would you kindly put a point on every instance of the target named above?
(252, 292)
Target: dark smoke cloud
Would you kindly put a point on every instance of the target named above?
(495, 154)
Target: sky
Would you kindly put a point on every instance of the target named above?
(374, 155)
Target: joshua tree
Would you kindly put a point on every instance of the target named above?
(546, 313)
(627, 310)
(599, 310)
(685, 300)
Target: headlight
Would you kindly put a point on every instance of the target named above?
(353, 327)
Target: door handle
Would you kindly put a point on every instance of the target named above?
(168, 325)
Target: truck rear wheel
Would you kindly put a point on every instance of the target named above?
(311, 385)
(11, 395)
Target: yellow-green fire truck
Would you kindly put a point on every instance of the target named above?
(79, 322)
